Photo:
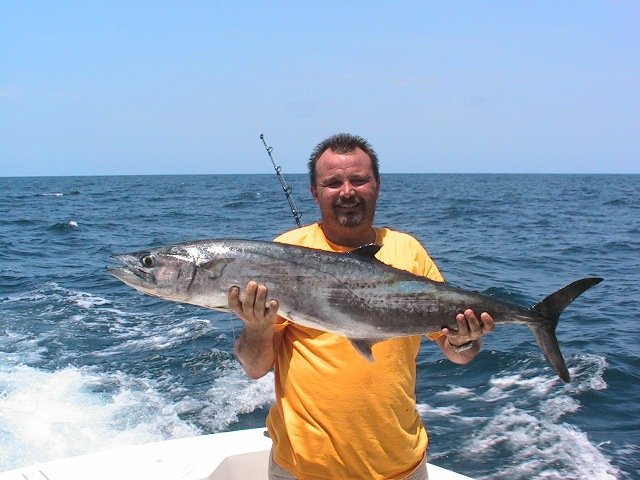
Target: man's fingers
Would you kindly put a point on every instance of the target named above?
(260, 301)
(487, 322)
(272, 311)
(463, 323)
(249, 299)
(252, 305)
(234, 300)
(475, 327)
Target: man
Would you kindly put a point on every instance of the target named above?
(336, 414)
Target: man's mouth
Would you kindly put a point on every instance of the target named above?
(348, 206)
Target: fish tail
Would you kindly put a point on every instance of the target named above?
(550, 308)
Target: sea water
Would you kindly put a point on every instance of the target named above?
(87, 363)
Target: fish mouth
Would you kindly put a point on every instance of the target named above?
(131, 272)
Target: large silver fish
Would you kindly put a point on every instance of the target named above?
(353, 295)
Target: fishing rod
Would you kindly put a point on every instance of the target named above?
(287, 189)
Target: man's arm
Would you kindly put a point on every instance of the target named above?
(462, 345)
(255, 348)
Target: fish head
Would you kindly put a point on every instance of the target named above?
(167, 274)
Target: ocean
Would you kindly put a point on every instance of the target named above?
(87, 363)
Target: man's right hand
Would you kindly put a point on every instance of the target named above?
(253, 309)
(255, 347)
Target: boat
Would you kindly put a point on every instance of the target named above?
(236, 455)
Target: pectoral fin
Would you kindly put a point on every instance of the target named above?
(363, 346)
(215, 267)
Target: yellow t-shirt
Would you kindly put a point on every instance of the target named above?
(337, 415)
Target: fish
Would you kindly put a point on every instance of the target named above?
(349, 294)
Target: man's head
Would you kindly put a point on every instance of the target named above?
(342, 143)
(345, 183)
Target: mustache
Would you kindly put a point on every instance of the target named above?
(349, 203)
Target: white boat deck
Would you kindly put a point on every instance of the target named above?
(241, 455)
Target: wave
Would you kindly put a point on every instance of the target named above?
(519, 415)
(64, 226)
(47, 415)
(58, 194)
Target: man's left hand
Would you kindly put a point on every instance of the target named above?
(470, 328)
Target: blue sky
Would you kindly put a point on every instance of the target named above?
(141, 87)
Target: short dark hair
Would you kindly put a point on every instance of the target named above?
(342, 143)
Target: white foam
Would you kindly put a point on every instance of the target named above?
(86, 300)
(539, 448)
(457, 391)
(503, 387)
(47, 415)
(139, 332)
(234, 394)
(588, 373)
(52, 292)
(528, 427)
(19, 348)
(426, 410)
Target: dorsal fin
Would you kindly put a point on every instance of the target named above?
(366, 251)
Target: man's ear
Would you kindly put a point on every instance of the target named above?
(314, 192)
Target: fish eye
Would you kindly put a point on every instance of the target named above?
(148, 261)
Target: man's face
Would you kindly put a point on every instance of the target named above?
(346, 189)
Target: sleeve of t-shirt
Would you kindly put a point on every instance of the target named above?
(429, 267)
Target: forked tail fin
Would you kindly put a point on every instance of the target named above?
(550, 308)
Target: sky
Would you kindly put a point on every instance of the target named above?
(187, 87)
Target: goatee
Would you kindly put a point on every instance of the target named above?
(350, 215)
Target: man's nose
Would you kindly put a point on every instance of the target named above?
(347, 189)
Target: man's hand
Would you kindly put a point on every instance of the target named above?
(252, 309)
(462, 345)
(255, 347)
(469, 328)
